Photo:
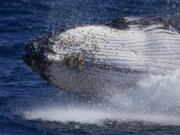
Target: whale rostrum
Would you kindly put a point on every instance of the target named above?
(94, 60)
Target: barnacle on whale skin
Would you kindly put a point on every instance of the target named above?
(75, 61)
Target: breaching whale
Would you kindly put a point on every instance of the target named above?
(94, 60)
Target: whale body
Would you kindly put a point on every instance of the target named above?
(94, 60)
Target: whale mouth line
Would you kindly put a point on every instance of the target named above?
(38, 64)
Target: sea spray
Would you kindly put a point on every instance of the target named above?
(156, 100)
(155, 94)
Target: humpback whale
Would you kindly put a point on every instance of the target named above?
(94, 60)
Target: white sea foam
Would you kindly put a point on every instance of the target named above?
(156, 100)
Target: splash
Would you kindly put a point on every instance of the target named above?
(156, 100)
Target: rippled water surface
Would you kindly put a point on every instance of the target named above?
(29, 106)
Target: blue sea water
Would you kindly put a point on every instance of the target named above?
(29, 106)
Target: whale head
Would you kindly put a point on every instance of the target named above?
(71, 48)
(78, 60)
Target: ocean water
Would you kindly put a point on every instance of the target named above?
(29, 106)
